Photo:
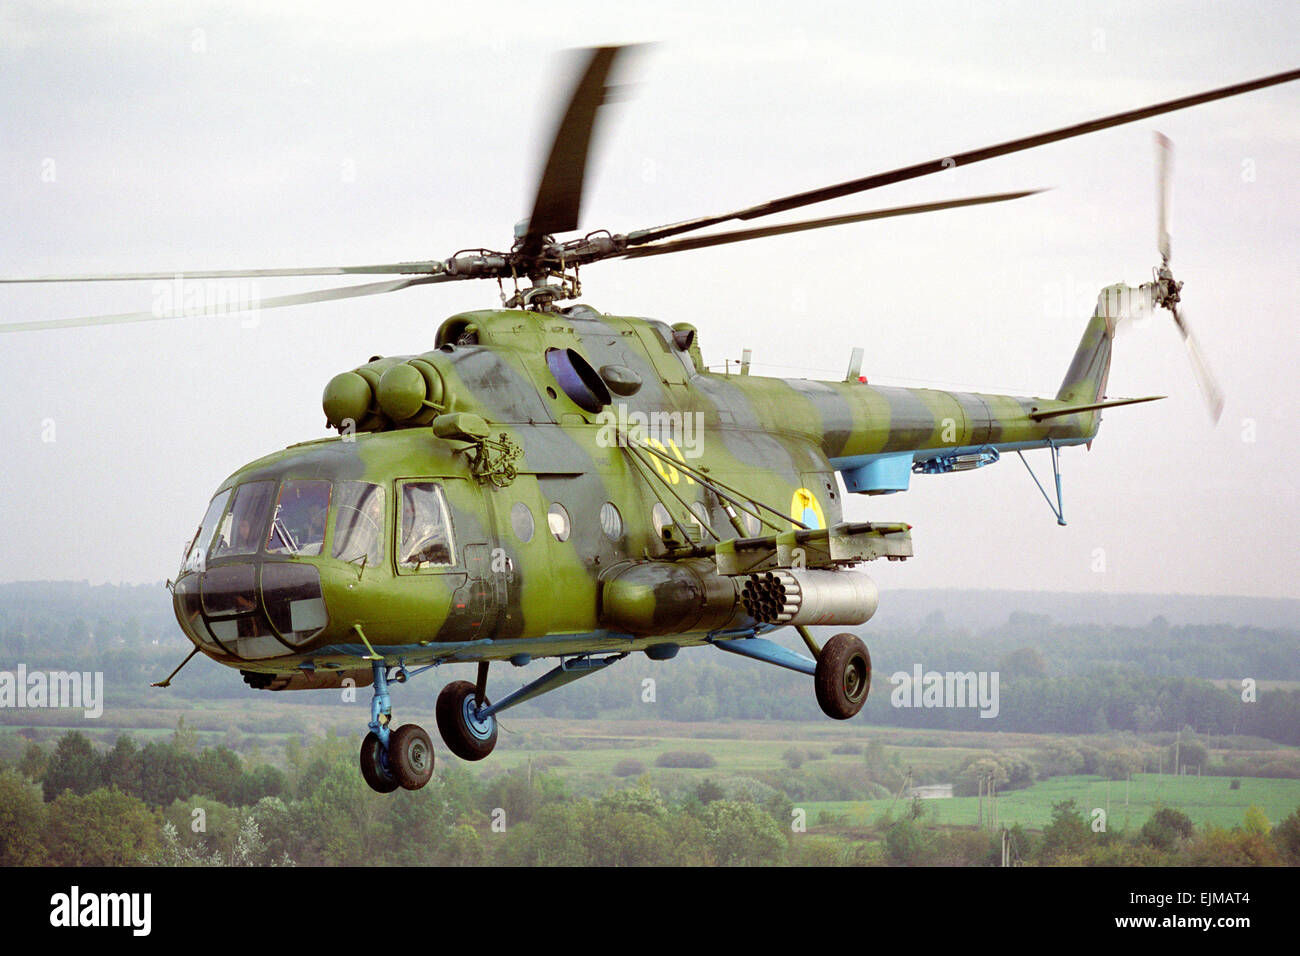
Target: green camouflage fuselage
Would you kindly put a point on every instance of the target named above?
(510, 587)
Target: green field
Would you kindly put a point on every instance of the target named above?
(585, 753)
(1203, 799)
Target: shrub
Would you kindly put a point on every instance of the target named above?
(685, 759)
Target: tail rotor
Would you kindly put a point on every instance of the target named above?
(1165, 289)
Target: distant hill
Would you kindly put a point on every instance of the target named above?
(971, 609)
(982, 609)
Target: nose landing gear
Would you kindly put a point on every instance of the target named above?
(392, 759)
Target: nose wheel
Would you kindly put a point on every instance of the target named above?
(843, 677)
(375, 767)
(393, 758)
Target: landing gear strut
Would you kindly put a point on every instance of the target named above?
(466, 719)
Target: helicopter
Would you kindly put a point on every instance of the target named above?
(552, 481)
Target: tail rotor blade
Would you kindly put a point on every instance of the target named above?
(1164, 182)
(1209, 385)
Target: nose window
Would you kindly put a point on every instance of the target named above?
(298, 522)
(292, 596)
(229, 590)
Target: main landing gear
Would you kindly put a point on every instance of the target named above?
(467, 734)
(843, 677)
(841, 671)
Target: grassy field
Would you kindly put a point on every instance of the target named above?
(1204, 799)
(585, 754)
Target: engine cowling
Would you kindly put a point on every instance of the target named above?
(666, 597)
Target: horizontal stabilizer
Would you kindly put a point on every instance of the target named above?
(1091, 406)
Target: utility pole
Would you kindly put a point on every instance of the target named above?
(1127, 780)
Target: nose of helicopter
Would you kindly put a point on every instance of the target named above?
(258, 579)
(252, 610)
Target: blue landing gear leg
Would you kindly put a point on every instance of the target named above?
(393, 758)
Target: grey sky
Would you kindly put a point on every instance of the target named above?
(224, 136)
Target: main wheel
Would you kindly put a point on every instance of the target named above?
(468, 737)
(843, 677)
(375, 767)
(410, 753)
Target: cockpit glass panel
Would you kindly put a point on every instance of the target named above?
(189, 611)
(292, 595)
(298, 521)
(196, 557)
(230, 589)
(426, 530)
(241, 530)
(359, 522)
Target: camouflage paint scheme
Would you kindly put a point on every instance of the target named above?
(778, 442)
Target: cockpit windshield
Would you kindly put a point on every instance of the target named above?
(241, 531)
(298, 522)
(198, 550)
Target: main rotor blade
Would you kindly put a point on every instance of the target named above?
(1205, 379)
(1164, 182)
(740, 235)
(956, 159)
(393, 268)
(559, 191)
(177, 310)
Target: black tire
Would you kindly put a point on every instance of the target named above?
(843, 678)
(410, 754)
(463, 738)
(373, 766)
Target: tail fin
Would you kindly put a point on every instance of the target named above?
(1085, 382)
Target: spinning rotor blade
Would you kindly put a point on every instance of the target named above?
(253, 305)
(1204, 377)
(1164, 182)
(740, 235)
(958, 159)
(559, 192)
(394, 268)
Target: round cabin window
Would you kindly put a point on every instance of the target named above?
(558, 520)
(521, 521)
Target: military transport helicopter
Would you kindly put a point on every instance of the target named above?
(557, 482)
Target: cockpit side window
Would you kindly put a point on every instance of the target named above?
(359, 522)
(241, 530)
(426, 538)
(196, 556)
(298, 522)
